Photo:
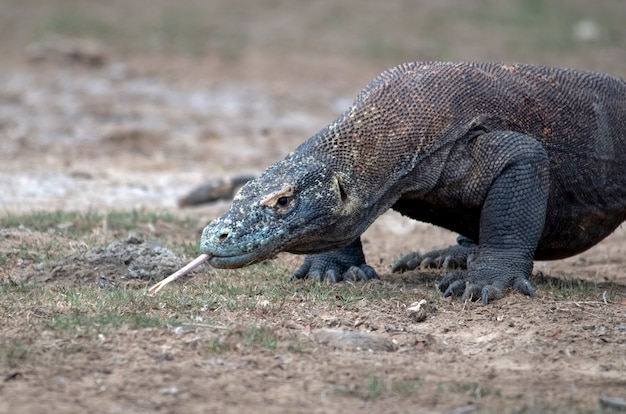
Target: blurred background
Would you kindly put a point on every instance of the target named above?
(130, 104)
(571, 32)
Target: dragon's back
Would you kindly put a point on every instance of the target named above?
(568, 110)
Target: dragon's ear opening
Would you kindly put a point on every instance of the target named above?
(340, 187)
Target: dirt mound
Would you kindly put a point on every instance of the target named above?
(120, 263)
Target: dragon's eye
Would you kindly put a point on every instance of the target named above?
(282, 201)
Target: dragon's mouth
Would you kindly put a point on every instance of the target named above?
(235, 261)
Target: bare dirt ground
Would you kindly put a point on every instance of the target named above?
(138, 131)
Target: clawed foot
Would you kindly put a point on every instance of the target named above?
(481, 279)
(345, 264)
(454, 257)
(474, 286)
(334, 273)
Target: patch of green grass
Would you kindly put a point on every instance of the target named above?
(531, 8)
(46, 221)
(565, 288)
(91, 311)
(13, 351)
(74, 224)
(186, 30)
(242, 289)
(547, 26)
(83, 310)
(473, 389)
(38, 252)
(235, 288)
(542, 407)
(376, 387)
(4, 258)
(343, 295)
(183, 29)
(77, 321)
(76, 21)
(129, 220)
(187, 302)
(189, 249)
(249, 336)
(260, 336)
(12, 289)
(218, 345)
(406, 387)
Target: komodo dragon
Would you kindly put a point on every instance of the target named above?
(524, 162)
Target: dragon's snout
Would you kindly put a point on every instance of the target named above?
(213, 235)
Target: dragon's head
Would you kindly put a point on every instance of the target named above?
(298, 205)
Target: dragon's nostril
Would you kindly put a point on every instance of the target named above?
(224, 235)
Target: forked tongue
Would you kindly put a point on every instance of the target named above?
(181, 272)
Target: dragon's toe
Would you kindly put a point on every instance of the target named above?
(409, 262)
(482, 292)
(452, 283)
(453, 257)
(484, 286)
(335, 266)
(523, 285)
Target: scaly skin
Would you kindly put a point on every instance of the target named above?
(524, 162)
